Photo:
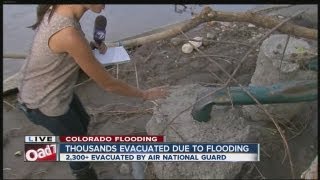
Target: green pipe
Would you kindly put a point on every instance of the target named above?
(286, 92)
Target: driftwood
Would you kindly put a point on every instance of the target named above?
(206, 15)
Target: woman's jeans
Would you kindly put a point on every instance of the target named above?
(73, 123)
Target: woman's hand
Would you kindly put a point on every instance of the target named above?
(155, 93)
(102, 47)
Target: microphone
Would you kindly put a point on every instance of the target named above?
(99, 31)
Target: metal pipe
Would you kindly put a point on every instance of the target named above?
(286, 92)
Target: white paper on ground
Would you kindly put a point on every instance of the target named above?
(114, 55)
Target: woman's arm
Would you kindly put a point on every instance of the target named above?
(71, 41)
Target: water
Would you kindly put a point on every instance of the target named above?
(123, 21)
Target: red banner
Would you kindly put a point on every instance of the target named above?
(124, 138)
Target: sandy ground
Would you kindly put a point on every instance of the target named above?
(159, 63)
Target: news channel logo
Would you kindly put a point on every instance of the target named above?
(40, 152)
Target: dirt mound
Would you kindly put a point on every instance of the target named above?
(164, 63)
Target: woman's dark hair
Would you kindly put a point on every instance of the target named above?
(41, 11)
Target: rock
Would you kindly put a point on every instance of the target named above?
(308, 19)
(277, 42)
(18, 153)
(187, 48)
(279, 46)
(225, 23)
(176, 41)
(251, 25)
(312, 171)
(211, 23)
(267, 73)
(124, 169)
(226, 125)
(205, 42)
(210, 15)
(163, 52)
(259, 35)
(211, 35)
(198, 41)
(276, 52)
